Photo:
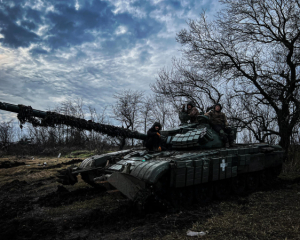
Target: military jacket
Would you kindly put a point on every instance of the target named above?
(217, 118)
(193, 113)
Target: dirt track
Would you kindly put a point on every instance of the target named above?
(34, 206)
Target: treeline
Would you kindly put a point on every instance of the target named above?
(132, 110)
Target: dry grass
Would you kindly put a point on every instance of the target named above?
(262, 215)
(33, 170)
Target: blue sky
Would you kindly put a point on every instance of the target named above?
(52, 50)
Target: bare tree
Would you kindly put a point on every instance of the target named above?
(127, 109)
(146, 113)
(7, 132)
(253, 120)
(164, 111)
(183, 82)
(96, 140)
(38, 134)
(75, 108)
(253, 47)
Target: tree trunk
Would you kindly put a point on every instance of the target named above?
(285, 132)
(122, 143)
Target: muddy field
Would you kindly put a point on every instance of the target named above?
(34, 206)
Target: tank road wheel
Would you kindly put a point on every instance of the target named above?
(222, 189)
(238, 184)
(204, 193)
(252, 181)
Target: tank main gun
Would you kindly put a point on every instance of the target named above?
(50, 119)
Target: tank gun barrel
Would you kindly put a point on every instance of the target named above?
(50, 119)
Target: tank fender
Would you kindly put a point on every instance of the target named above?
(94, 161)
(150, 171)
(100, 160)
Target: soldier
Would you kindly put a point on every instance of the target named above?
(192, 111)
(220, 124)
(153, 141)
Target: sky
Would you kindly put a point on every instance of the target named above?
(53, 50)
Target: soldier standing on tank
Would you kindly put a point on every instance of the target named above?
(220, 124)
(192, 111)
(153, 142)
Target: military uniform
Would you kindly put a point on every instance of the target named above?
(220, 124)
(193, 112)
(217, 118)
(153, 141)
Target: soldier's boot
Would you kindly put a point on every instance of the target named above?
(227, 145)
(231, 144)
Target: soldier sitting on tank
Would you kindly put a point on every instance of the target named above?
(220, 124)
(153, 141)
(192, 111)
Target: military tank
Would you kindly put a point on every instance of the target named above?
(193, 166)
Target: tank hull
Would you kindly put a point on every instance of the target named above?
(186, 175)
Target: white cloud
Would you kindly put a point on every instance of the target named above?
(50, 8)
(121, 30)
(59, 99)
(42, 30)
(77, 5)
(38, 5)
(122, 6)
(156, 1)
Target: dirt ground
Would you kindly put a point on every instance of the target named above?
(34, 206)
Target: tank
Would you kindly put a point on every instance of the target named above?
(194, 164)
